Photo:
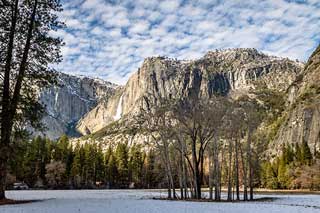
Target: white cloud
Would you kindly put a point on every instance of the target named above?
(169, 6)
(139, 27)
(111, 40)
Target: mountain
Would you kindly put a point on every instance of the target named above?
(86, 106)
(301, 120)
(70, 100)
(232, 72)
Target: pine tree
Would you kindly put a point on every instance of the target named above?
(289, 154)
(283, 177)
(136, 163)
(271, 178)
(90, 167)
(61, 151)
(298, 153)
(100, 166)
(27, 50)
(112, 171)
(122, 163)
(36, 160)
(306, 153)
(149, 170)
(69, 162)
(75, 172)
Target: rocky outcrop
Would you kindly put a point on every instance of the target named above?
(70, 100)
(103, 114)
(302, 121)
(231, 72)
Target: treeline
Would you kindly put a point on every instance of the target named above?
(42, 163)
(295, 168)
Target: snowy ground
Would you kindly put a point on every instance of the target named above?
(140, 201)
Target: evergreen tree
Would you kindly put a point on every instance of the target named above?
(82, 164)
(69, 163)
(298, 153)
(27, 50)
(306, 153)
(282, 173)
(76, 167)
(271, 178)
(122, 163)
(100, 166)
(289, 154)
(16, 163)
(90, 167)
(107, 158)
(136, 163)
(36, 160)
(112, 171)
(61, 150)
(149, 170)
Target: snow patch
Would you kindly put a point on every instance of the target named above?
(140, 201)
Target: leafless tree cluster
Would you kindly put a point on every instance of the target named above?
(204, 143)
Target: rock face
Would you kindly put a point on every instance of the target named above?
(70, 100)
(302, 121)
(84, 106)
(228, 72)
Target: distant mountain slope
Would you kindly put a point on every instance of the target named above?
(70, 100)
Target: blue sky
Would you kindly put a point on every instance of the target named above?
(110, 39)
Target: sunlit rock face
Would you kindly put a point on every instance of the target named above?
(302, 119)
(232, 72)
(70, 100)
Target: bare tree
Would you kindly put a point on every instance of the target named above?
(252, 117)
(157, 125)
(197, 120)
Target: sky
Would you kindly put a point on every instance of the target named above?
(109, 39)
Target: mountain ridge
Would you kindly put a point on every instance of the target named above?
(228, 72)
(232, 72)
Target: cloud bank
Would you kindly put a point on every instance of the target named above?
(109, 39)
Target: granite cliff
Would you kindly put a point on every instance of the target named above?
(301, 119)
(231, 72)
(70, 100)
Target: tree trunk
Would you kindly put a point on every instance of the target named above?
(3, 174)
(229, 198)
(216, 172)
(250, 165)
(245, 172)
(169, 187)
(237, 171)
(181, 175)
(169, 170)
(23, 64)
(210, 175)
(197, 186)
(185, 180)
(201, 171)
(6, 118)
(251, 182)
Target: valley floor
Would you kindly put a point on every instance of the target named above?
(140, 201)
